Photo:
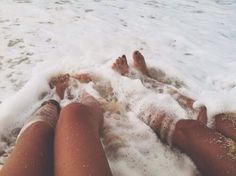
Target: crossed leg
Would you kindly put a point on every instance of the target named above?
(225, 123)
(213, 153)
(122, 67)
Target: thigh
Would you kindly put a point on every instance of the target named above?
(32, 155)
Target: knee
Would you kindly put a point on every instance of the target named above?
(184, 129)
(73, 110)
(189, 127)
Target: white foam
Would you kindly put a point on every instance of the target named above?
(191, 41)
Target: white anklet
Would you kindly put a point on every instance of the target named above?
(169, 138)
(164, 129)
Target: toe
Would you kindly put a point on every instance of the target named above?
(137, 55)
(119, 61)
(124, 60)
(66, 77)
(136, 52)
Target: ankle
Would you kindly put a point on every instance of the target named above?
(167, 130)
(163, 125)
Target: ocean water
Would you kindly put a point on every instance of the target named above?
(192, 43)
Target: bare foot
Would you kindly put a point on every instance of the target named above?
(61, 83)
(139, 63)
(121, 65)
(83, 78)
(94, 107)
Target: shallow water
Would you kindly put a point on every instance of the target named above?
(188, 44)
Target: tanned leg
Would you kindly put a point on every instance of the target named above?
(77, 147)
(121, 66)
